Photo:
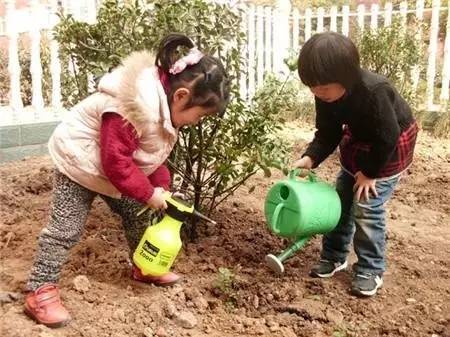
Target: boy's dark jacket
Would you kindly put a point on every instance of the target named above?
(373, 125)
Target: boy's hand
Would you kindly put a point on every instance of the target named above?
(305, 163)
(157, 201)
(363, 186)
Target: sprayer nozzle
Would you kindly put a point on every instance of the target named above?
(203, 217)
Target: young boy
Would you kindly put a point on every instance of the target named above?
(363, 113)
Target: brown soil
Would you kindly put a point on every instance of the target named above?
(414, 302)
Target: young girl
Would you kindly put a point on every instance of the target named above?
(376, 131)
(113, 145)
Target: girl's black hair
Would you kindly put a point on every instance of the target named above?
(329, 58)
(208, 79)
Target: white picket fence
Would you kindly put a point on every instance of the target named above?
(272, 33)
(37, 21)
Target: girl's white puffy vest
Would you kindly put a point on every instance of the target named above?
(134, 91)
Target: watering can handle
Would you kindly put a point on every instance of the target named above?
(293, 174)
(275, 216)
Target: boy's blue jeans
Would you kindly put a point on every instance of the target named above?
(363, 221)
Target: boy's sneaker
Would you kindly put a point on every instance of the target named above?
(365, 284)
(327, 268)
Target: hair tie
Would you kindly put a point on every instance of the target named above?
(193, 57)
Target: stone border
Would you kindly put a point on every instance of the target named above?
(19, 141)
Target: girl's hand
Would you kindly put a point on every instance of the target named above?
(363, 186)
(305, 163)
(157, 201)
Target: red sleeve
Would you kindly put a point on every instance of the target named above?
(117, 144)
(161, 177)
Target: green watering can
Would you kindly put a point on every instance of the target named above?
(298, 209)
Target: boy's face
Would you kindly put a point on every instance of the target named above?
(328, 92)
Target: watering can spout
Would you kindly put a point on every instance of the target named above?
(276, 262)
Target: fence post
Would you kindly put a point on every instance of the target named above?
(260, 45)
(55, 63)
(361, 16)
(15, 100)
(333, 19)
(75, 7)
(244, 72)
(35, 66)
(251, 51)
(432, 51)
(295, 30)
(268, 38)
(403, 15)
(388, 14)
(320, 15)
(374, 16)
(91, 11)
(282, 41)
(345, 21)
(420, 4)
(308, 16)
(444, 97)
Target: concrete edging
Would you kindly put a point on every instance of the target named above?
(20, 141)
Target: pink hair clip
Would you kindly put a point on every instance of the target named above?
(193, 57)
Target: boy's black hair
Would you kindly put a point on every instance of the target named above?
(208, 78)
(329, 58)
